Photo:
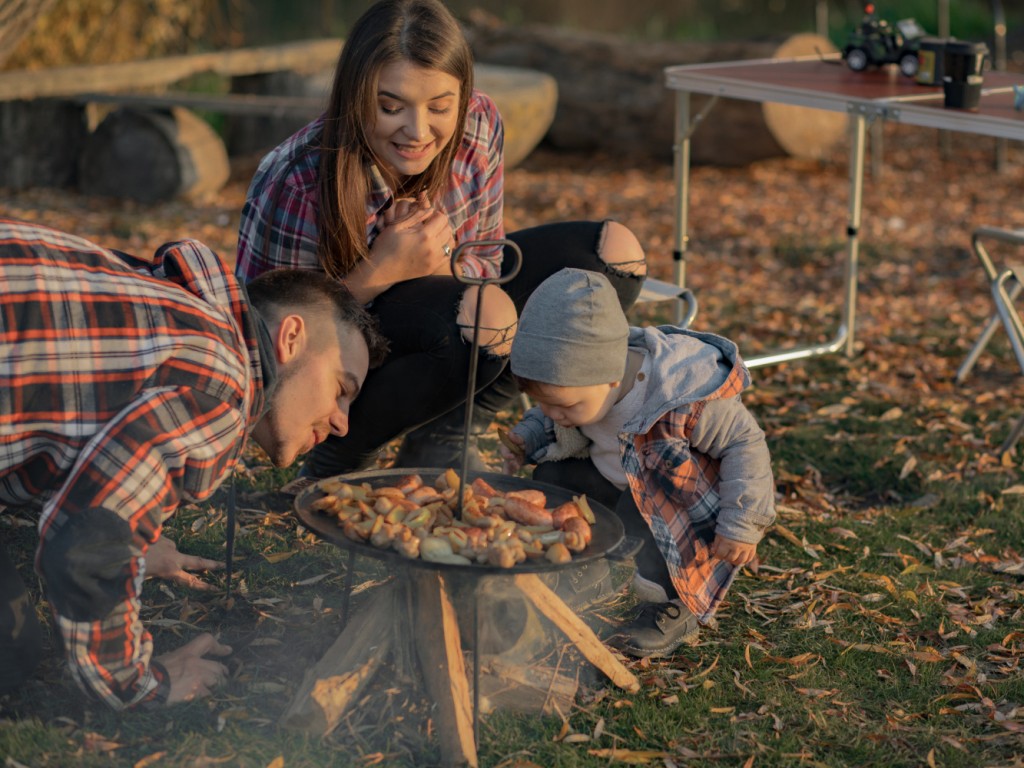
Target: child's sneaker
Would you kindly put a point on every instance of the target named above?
(658, 629)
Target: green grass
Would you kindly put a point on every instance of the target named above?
(875, 632)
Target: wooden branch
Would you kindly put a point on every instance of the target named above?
(335, 682)
(436, 630)
(225, 103)
(552, 606)
(306, 56)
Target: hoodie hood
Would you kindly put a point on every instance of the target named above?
(692, 366)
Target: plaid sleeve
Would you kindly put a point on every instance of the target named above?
(170, 444)
(475, 200)
(727, 431)
(279, 220)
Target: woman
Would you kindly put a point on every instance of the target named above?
(404, 165)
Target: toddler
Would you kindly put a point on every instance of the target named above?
(648, 422)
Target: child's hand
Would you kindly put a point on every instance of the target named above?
(512, 451)
(733, 552)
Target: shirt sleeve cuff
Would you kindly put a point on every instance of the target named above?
(158, 696)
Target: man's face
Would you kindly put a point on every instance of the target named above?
(417, 112)
(315, 390)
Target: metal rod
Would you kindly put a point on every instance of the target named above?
(979, 346)
(471, 389)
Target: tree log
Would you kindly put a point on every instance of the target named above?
(334, 683)
(153, 155)
(612, 94)
(574, 628)
(40, 142)
(444, 669)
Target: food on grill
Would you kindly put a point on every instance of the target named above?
(496, 528)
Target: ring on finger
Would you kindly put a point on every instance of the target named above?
(447, 250)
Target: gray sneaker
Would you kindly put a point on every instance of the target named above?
(658, 629)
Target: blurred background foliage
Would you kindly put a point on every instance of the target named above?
(66, 32)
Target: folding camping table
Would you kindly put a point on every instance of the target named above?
(824, 82)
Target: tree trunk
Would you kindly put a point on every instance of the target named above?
(612, 93)
(153, 155)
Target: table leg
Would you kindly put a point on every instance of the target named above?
(853, 228)
(681, 167)
(843, 340)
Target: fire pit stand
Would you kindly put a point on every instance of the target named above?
(419, 603)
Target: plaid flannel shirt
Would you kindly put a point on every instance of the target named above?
(126, 388)
(279, 219)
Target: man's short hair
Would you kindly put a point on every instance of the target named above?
(284, 290)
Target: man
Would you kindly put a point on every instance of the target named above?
(126, 388)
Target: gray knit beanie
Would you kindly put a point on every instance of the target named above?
(572, 332)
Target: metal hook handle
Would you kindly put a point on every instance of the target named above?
(501, 279)
(471, 392)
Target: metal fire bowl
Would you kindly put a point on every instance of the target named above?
(607, 532)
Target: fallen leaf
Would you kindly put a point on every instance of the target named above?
(908, 467)
(149, 759)
(843, 533)
(630, 756)
(279, 557)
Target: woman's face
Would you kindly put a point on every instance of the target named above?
(416, 115)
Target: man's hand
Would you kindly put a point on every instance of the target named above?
(192, 676)
(164, 561)
(733, 552)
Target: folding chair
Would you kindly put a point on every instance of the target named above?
(659, 290)
(1006, 286)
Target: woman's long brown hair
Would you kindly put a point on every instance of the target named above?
(422, 32)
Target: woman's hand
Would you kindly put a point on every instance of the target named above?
(733, 552)
(164, 561)
(412, 241)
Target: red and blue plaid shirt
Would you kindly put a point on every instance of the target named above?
(279, 220)
(126, 388)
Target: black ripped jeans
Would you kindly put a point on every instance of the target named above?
(426, 373)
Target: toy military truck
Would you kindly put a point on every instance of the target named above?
(876, 43)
